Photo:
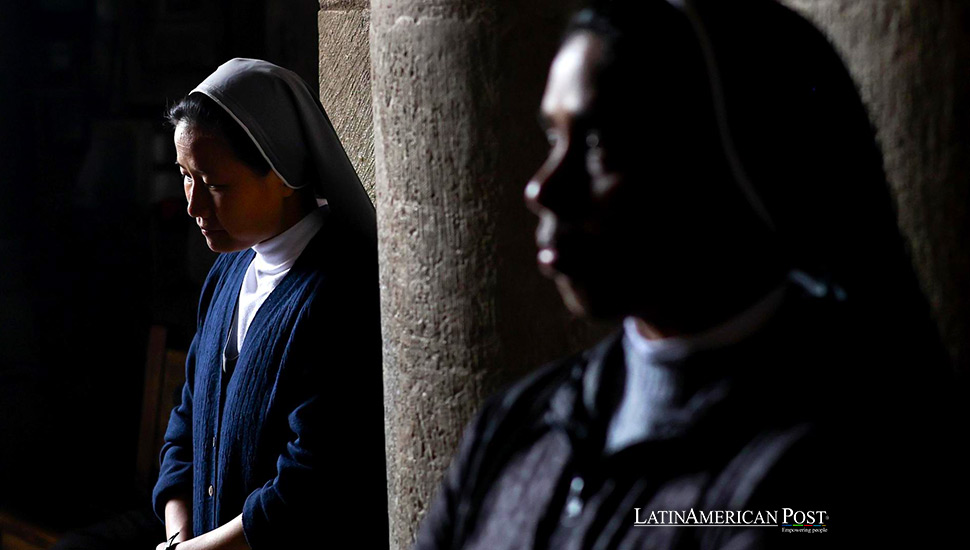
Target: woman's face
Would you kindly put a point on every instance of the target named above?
(574, 192)
(627, 216)
(233, 206)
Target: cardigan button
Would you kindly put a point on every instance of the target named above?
(212, 490)
(574, 504)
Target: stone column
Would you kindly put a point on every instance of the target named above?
(345, 80)
(456, 89)
(910, 60)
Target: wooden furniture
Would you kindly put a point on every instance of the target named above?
(17, 534)
(164, 377)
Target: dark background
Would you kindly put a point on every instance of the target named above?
(95, 243)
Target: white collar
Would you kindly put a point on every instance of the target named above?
(281, 251)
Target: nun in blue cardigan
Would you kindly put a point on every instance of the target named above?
(278, 441)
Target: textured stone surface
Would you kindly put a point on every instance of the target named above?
(344, 4)
(345, 81)
(456, 90)
(910, 59)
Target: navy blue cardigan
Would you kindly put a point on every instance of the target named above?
(293, 438)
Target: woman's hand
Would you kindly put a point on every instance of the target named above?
(227, 537)
(178, 519)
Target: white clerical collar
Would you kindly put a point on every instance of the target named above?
(733, 330)
(282, 250)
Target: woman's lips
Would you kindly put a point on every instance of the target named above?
(564, 253)
(564, 247)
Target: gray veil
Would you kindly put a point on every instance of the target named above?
(284, 118)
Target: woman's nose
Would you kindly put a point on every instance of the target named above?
(550, 187)
(533, 189)
(197, 199)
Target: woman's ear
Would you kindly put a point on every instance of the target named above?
(272, 178)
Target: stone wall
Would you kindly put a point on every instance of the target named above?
(345, 80)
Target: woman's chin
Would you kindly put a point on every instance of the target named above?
(221, 242)
(599, 300)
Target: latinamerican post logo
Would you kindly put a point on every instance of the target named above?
(788, 520)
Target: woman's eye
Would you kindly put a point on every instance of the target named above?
(186, 177)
